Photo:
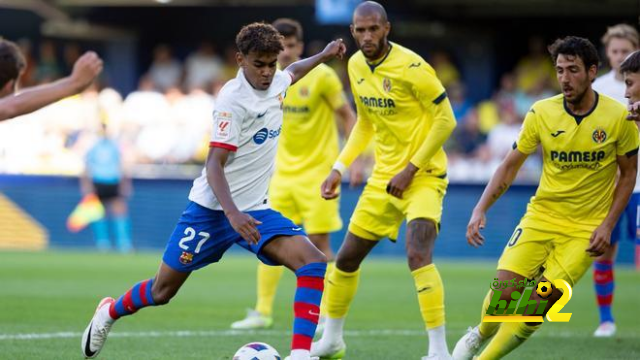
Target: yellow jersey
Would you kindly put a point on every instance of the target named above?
(579, 161)
(395, 97)
(309, 139)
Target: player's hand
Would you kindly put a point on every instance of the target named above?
(86, 69)
(245, 225)
(336, 48)
(600, 240)
(401, 182)
(356, 173)
(476, 223)
(329, 188)
(634, 111)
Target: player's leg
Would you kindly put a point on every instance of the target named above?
(151, 292)
(201, 237)
(100, 227)
(421, 236)
(122, 226)
(268, 277)
(568, 261)
(523, 256)
(604, 283)
(309, 265)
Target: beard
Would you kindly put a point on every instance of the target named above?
(377, 51)
(578, 98)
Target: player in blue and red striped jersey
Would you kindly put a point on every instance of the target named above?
(229, 202)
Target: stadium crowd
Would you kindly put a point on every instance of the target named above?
(166, 120)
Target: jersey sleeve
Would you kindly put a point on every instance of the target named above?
(529, 138)
(424, 83)
(332, 89)
(628, 140)
(227, 123)
(282, 80)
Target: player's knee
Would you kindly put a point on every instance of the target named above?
(347, 264)
(417, 258)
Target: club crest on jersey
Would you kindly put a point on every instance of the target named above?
(386, 84)
(599, 136)
(186, 258)
(304, 91)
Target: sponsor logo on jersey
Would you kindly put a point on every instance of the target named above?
(415, 65)
(296, 109)
(374, 102)
(577, 156)
(386, 84)
(263, 134)
(599, 136)
(186, 258)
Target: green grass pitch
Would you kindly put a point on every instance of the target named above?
(47, 299)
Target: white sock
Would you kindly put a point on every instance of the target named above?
(333, 329)
(437, 341)
(299, 354)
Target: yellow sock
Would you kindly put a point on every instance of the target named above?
(323, 302)
(268, 279)
(509, 337)
(341, 289)
(487, 329)
(430, 295)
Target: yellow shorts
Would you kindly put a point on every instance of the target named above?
(379, 215)
(563, 256)
(300, 201)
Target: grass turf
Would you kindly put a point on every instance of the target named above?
(47, 299)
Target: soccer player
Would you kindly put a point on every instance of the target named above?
(402, 103)
(619, 41)
(229, 202)
(585, 140)
(308, 147)
(630, 68)
(12, 63)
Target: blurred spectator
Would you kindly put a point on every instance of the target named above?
(445, 69)
(70, 54)
(502, 136)
(536, 68)
(525, 99)
(203, 68)
(48, 68)
(28, 73)
(459, 103)
(165, 71)
(467, 138)
(104, 176)
(230, 68)
(619, 41)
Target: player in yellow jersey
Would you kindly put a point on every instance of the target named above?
(307, 150)
(401, 103)
(585, 140)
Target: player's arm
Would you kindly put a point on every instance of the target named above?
(85, 70)
(358, 140)
(242, 223)
(302, 67)
(429, 91)
(627, 158)
(348, 119)
(526, 144)
(498, 185)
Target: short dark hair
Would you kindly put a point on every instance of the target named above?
(631, 64)
(575, 46)
(260, 38)
(11, 62)
(288, 27)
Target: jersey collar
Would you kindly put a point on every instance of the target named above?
(374, 66)
(579, 118)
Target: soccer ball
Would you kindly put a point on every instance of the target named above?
(257, 351)
(544, 289)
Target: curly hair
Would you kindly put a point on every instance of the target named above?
(12, 62)
(631, 64)
(259, 38)
(575, 46)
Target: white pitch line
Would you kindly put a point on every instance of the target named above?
(231, 333)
